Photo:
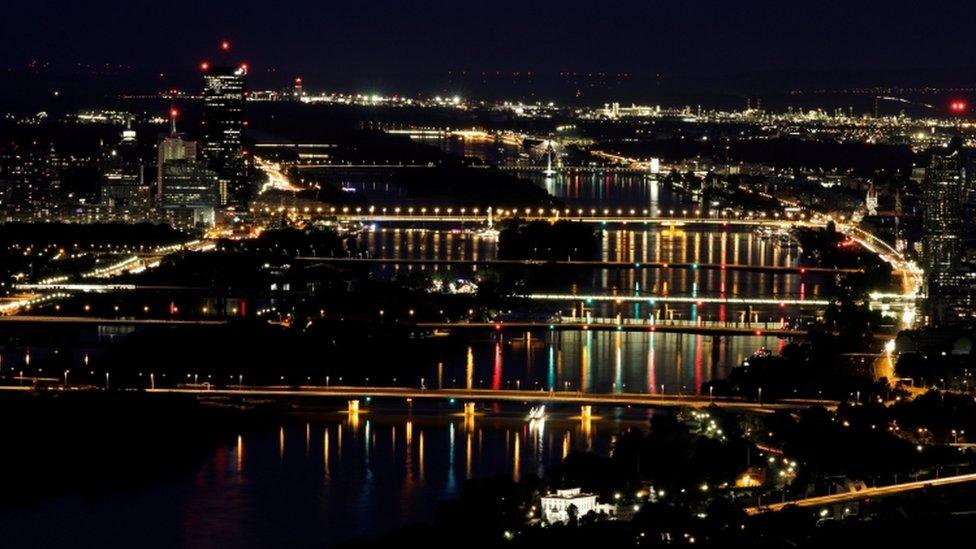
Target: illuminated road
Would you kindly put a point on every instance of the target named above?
(505, 395)
(880, 491)
(39, 319)
(581, 263)
(58, 287)
(277, 180)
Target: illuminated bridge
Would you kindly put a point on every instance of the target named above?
(699, 300)
(582, 263)
(702, 327)
(438, 214)
(503, 395)
(534, 215)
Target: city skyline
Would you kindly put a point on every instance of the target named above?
(644, 274)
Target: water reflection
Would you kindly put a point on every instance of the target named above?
(600, 361)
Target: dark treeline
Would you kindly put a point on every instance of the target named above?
(559, 241)
(829, 248)
(84, 235)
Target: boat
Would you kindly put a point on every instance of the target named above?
(537, 413)
(488, 232)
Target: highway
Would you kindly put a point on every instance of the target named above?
(880, 491)
(502, 395)
(581, 263)
(50, 319)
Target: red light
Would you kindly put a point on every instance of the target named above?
(244, 67)
(225, 45)
(958, 106)
(173, 113)
(205, 66)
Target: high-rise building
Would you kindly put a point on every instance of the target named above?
(942, 226)
(188, 190)
(172, 147)
(188, 183)
(223, 132)
(123, 184)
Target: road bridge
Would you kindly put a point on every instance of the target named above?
(773, 269)
(502, 395)
(712, 328)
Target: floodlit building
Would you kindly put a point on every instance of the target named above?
(564, 504)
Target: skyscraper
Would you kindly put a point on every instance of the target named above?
(942, 226)
(223, 131)
(122, 178)
(188, 190)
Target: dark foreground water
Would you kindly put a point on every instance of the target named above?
(318, 480)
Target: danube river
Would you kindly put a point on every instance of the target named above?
(316, 480)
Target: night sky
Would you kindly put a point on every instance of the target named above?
(376, 40)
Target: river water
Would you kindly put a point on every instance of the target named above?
(317, 480)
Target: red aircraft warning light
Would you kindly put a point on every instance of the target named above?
(224, 45)
(205, 66)
(958, 106)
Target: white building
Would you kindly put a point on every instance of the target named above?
(555, 507)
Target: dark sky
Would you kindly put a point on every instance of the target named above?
(377, 39)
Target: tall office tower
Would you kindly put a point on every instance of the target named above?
(122, 179)
(223, 131)
(187, 189)
(172, 147)
(942, 226)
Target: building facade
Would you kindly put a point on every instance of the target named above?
(942, 226)
(223, 131)
(566, 504)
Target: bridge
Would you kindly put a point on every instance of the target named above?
(702, 327)
(121, 321)
(458, 215)
(606, 218)
(501, 395)
(773, 269)
(689, 299)
(880, 491)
